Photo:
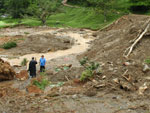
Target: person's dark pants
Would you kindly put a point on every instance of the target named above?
(33, 73)
(42, 68)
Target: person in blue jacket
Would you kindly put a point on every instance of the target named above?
(42, 63)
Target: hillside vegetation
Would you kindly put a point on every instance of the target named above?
(92, 14)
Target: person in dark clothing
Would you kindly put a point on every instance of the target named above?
(32, 67)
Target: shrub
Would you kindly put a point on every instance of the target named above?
(41, 84)
(86, 74)
(90, 68)
(83, 61)
(147, 61)
(26, 33)
(9, 45)
(24, 62)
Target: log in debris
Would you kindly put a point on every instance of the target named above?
(130, 49)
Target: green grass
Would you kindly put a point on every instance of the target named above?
(70, 17)
(4, 23)
(82, 17)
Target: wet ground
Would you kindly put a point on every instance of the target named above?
(102, 94)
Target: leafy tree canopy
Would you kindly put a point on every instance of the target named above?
(17, 8)
(42, 9)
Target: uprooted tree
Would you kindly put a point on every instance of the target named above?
(130, 49)
(43, 9)
(6, 71)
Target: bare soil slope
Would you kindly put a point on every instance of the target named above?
(110, 45)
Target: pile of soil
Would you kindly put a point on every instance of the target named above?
(40, 44)
(110, 45)
(6, 71)
(64, 75)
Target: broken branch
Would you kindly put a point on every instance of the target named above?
(130, 49)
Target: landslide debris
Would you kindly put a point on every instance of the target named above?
(6, 71)
(40, 43)
(110, 46)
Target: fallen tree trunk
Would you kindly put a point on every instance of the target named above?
(130, 49)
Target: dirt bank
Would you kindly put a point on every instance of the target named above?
(110, 46)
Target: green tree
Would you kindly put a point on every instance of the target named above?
(17, 8)
(42, 9)
(2, 6)
(102, 6)
(139, 5)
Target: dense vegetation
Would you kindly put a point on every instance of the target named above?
(9, 45)
(140, 6)
(93, 14)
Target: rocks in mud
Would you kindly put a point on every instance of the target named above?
(6, 71)
(126, 86)
(94, 34)
(77, 81)
(126, 63)
(90, 92)
(142, 88)
(64, 48)
(64, 67)
(53, 94)
(23, 75)
(66, 41)
(49, 49)
(146, 68)
(116, 80)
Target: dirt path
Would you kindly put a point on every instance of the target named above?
(81, 45)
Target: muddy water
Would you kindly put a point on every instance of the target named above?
(80, 46)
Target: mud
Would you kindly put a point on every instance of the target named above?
(40, 43)
(65, 38)
(103, 93)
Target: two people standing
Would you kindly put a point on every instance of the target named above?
(32, 66)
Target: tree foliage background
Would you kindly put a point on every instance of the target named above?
(43, 9)
(17, 8)
(139, 6)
